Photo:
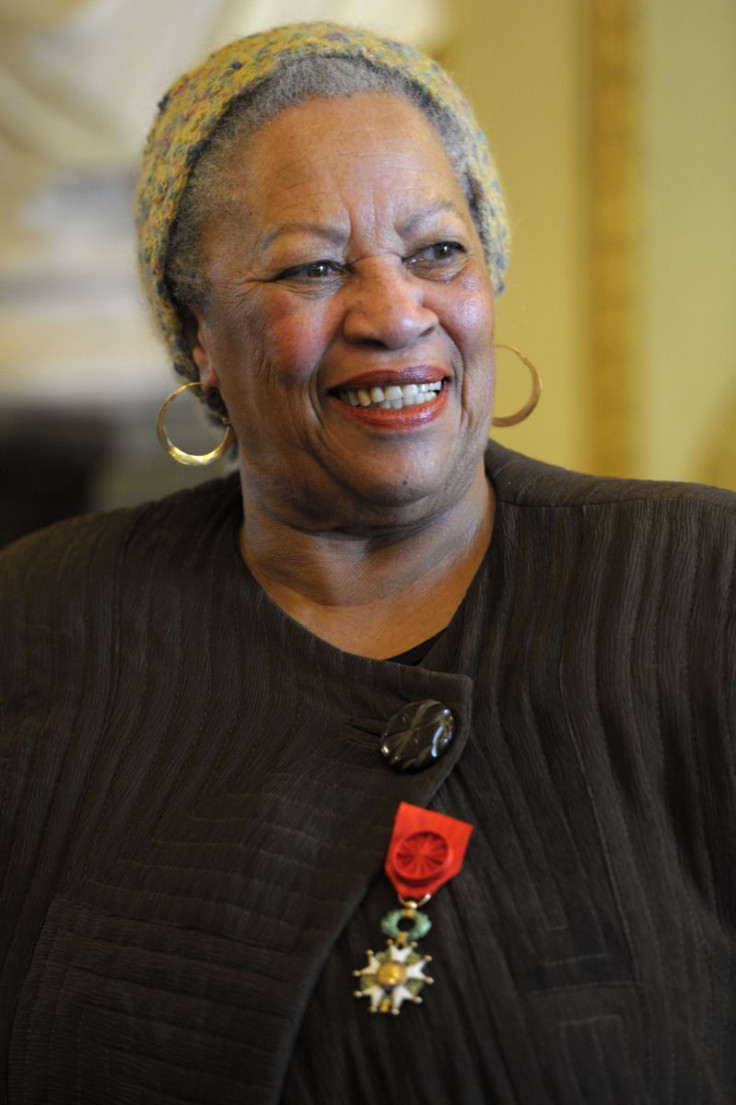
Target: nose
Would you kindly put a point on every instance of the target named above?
(386, 305)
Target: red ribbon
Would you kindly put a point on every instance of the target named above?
(427, 849)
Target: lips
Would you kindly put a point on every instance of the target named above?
(415, 386)
(392, 397)
(399, 400)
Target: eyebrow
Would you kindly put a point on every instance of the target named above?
(337, 235)
(437, 208)
(334, 234)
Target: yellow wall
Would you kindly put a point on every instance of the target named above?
(689, 270)
(519, 64)
(524, 67)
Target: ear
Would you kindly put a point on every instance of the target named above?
(199, 339)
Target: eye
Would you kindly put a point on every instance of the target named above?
(312, 270)
(438, 257)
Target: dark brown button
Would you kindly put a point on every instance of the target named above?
(417, 736)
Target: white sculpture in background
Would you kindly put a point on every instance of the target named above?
(78, 83)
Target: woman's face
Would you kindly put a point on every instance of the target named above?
(349, 325)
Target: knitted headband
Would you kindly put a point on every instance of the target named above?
(196, 102)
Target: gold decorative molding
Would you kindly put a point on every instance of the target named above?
(612, 117)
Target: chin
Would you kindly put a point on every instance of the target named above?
(361, 507)
(401, 501)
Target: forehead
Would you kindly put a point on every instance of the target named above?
(328, 155)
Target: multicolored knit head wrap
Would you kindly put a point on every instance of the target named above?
(195, 104)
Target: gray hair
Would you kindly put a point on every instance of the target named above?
(293, 82)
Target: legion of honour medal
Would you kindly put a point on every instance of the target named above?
(427, 849)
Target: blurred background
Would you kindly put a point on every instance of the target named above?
(613, 122)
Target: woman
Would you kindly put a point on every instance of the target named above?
(196, 812)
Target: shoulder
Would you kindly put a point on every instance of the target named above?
(61, 582)
(638, 576)
(522, 481)
(667, 543)
(87, 595)
(90, 547)
(695, 519)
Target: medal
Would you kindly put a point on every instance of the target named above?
(427, 849)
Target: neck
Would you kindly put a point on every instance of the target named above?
(374, 595)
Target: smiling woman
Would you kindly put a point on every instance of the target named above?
(227, 712)
(338, 259)
(359, 271)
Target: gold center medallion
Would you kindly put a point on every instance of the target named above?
(390, 974)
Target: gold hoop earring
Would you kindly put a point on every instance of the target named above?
(178, 454)
(526, 410)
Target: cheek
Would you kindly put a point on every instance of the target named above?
(477, 321)
(469, 320)
(471, 327)
(288, 343)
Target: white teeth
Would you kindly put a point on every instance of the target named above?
(392, 397)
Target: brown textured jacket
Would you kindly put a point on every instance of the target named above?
(192, 830)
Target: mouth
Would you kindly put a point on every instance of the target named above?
(391, 397)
